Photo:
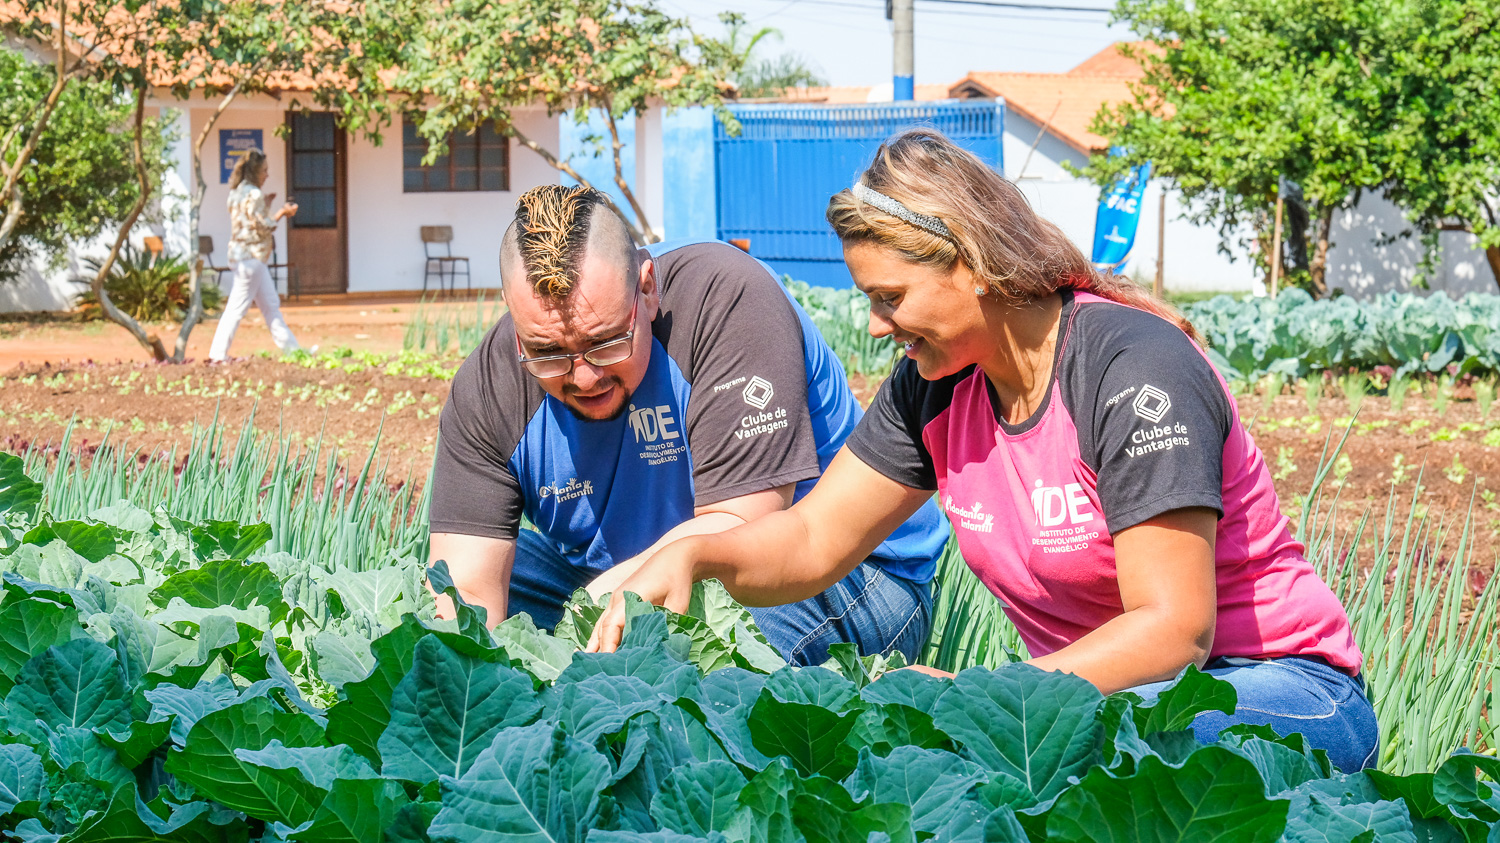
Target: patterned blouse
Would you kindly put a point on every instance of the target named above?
(250, 224)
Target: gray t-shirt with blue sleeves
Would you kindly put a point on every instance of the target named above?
(741, 395)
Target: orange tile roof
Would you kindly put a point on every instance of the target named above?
(847, 94)
(1111, 61)
(117, 39)
(1069, 99)
(1065, 104)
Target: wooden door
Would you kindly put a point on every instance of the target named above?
(318, 237)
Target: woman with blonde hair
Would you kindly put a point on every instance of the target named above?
(251, 228)
(1091, 461)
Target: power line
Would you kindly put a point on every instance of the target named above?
(968, 13)
(1010, 5)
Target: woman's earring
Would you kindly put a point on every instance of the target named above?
(979, 291)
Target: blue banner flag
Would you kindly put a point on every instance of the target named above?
(1119, 215)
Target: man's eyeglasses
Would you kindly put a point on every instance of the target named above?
(604, 354)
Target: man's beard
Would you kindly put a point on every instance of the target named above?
(619, 410)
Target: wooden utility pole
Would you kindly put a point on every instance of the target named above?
(1160, 287)
(903, 83)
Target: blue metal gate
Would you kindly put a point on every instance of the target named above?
(775, 177)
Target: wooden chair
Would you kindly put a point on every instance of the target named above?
(277, 269)
(206, 258)
(446, 265)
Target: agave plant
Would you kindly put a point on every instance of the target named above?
(148, 287)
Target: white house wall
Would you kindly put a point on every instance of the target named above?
(262, 113)
(385, 247)
(1361, 264)
(1045, 163)
(1193, 260)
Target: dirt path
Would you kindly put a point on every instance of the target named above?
(366, 325)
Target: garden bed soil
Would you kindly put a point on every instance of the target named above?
(313, 402)
(1460, 473)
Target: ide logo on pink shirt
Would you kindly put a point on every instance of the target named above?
(1055, 504)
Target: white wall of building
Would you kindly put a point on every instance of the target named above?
(261, 113)
(385, 246)
(1361, 264)
(1192, 257)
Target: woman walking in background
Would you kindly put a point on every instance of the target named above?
(251, 227)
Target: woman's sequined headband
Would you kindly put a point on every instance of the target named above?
(896, 209)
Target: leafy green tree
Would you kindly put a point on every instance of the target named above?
(1445, 158)
(79, 181)
(1236, 95)
(33, 96)
(449, 70)
(767, 77)
(772, 77)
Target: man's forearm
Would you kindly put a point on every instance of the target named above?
(480, 568)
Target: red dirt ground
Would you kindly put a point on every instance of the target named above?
(1459, 450)
(373, 324)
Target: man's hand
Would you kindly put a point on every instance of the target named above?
(666, 579)
(610, 580)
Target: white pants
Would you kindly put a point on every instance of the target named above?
(252, 282)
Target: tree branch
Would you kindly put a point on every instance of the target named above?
(13, 170)
(150, 342)
(640, 213)
(14, 210)
(567, 168)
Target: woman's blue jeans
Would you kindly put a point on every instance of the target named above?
(875, 611)
(1294, 694)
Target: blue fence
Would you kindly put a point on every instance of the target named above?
(774, 178)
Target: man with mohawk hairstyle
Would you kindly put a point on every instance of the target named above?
(631, 397)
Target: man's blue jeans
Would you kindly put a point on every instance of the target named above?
(876, 611)
(1328, 706)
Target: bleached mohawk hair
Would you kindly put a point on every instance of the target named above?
(552, 231)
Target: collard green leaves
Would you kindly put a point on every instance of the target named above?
(1035, 726)
(169, 680)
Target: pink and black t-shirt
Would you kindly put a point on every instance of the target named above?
(1136, 423)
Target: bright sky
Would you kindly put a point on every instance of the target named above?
(849, 41)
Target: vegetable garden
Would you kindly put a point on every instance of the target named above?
(231, 640)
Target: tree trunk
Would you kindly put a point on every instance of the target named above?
(150, 342)
(640, 213)
(11, 187)
(1266, 241)
(1492, 253)
(1318, 267)
(195, 205)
